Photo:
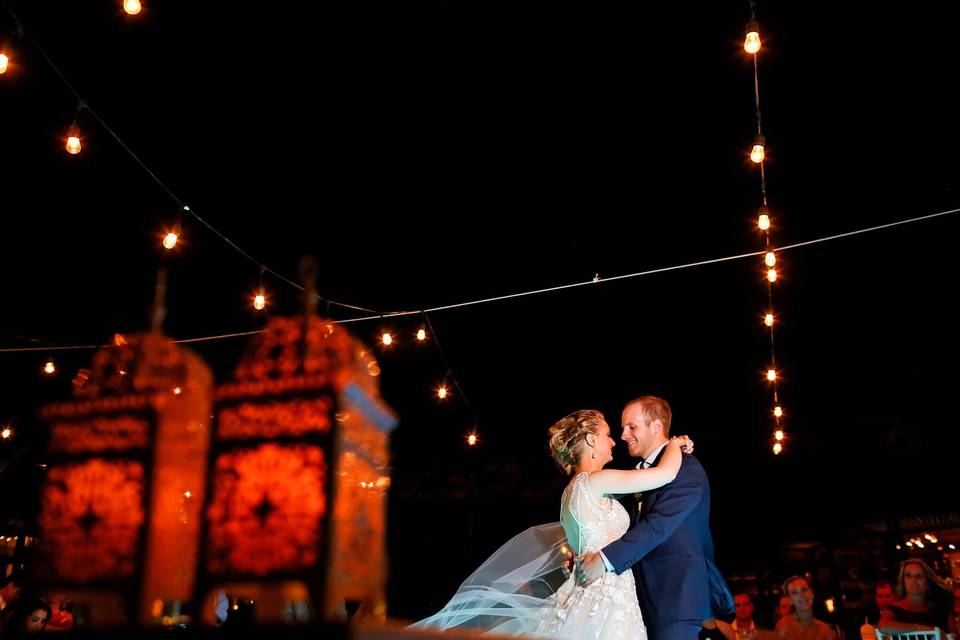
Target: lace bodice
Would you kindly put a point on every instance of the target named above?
(590, 524)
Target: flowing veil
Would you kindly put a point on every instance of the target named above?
(511, 590)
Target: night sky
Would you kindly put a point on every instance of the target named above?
(439, 152)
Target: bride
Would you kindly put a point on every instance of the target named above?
(524, 589)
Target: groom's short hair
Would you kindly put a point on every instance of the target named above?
(655, 408)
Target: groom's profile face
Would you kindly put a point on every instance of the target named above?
(637, 434)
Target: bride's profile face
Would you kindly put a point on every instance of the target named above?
(604, 443)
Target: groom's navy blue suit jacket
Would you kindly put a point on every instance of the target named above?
(670, 549)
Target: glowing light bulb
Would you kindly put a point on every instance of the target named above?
(4, 62)
(7, 433)
(187, 494)
(170, 240)
(768, 319)
(442, 392)
(132, 7)
(770, 259)
(472, 439)
(777, 448)
(772, 275)
(778, 412)
(778, 435)
(49, 368)
(751, 43)
(73, 142)
(177, 391)
(771, 375)
(763, 220)
(421, 335)
(259, 301)
(387, 338)
(757, 154)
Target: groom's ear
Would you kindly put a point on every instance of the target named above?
(658, 424)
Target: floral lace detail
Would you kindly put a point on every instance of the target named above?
(606, 609)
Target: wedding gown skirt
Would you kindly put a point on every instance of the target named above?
(520, 590)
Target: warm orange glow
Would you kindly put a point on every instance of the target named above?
(772, 275)
(778, 435)
(442, 391)
(132, 7)
(259, 301)
(768, 319)
(751, 44)
(177, 391)
(757, 153)
(49, 368)
(771, 375)
(6, 433)
(778, 412)
(387, 339)
(830, 604)
(472, 439)
(187, 494)
(770, 259)
(777, 448)
(73, 142)
(4, 61)
(421, 335)
(170, 240)
(763, 221)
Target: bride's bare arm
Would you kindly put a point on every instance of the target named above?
(614, 481)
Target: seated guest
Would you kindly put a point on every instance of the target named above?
(924, 601)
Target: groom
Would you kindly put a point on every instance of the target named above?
(668, 544)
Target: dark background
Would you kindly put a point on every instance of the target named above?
(437, 152)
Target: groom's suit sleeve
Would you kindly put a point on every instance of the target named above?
(674, 504)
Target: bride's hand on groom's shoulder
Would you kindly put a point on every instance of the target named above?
(685, 442)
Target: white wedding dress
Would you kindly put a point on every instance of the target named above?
(520, 589)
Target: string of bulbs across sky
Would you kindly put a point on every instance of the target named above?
(259, 299)
(752, 45)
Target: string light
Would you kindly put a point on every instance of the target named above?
(170, 240)
(442, 391)
(387, 339)
(757, 154)
(763, 219)
(7, 433)
(751, 43)
(260, 298)
(187, 494)
(472, 439)
(421, 335)
(132, 7)
(73, 140)
(4, 63)
(49, 367)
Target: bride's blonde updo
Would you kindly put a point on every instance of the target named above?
(567, 435)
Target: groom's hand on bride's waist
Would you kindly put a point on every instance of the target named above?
(589, 569)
